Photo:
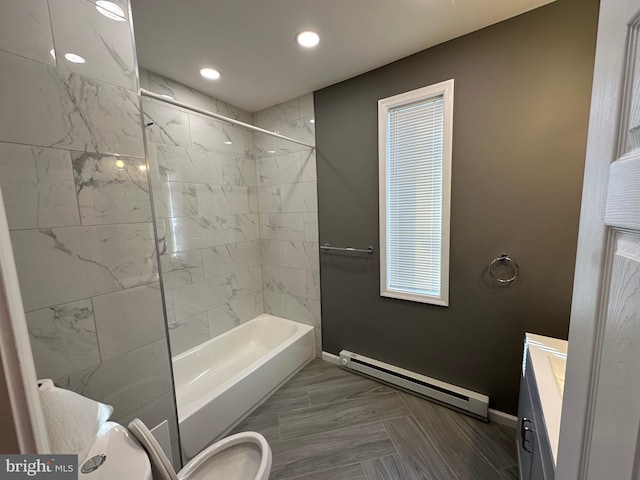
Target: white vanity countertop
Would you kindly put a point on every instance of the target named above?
(540, 350)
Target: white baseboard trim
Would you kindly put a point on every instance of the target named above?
(502, 418)
(331, 358)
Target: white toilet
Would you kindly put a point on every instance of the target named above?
(134, 454)
(108, 451)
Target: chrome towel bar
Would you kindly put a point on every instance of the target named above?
(368, 250)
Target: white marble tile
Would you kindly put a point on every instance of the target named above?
(105, 44)
(278, 114)
(302, 130)
(198, 297)
(60, 265)
(55, 108)
(311, 227)
(111, 189)
(274, 303)
(183, 268)
(265, 145)
(152, 160)
(313, 285)
(233, 313)
(181, 164)
(253, 199)
(220, 137)
(143, 76)
(242, 283)
(174, 199)
(299, 197)
(231, 111)
(302, 255)
(165, 86)
(123, 4)
(127, 382)
(281, 169)
(169, 125)
(127, 320)
(188, 333)
(306, 105)
(63, 339)
(154, 413)
(270, 198)
(168, 300)
(282, 226)
(192, 233)
(25, 29)
(221, 320)
(318, 339)
(37, 186)
(219, 200)
(303, 310)
(285, 280)
(243, 228)
(239, 171)
(272, 252)
(230, 258)
(309, 171)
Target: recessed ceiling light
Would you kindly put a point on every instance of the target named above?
(73, 58)
(119, 164)
(210, 73)
(308, 39)
(52, 52)
(142, 167)
(110, 10)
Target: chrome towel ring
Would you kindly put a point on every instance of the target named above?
(497, 273)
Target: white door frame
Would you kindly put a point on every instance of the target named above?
(23, 422)
(589, 297)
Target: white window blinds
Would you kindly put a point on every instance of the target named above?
(416, 198)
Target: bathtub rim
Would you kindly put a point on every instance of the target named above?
(184, 412)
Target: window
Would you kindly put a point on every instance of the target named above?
(415, 134)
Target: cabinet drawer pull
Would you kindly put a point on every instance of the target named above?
(526, 434)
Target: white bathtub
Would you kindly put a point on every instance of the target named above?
(221, 381)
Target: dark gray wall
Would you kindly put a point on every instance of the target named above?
(522, 93)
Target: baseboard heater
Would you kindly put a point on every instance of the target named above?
(466, 401)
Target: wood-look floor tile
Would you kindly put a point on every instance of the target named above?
(324, 418)
(498, 446)
(509, 474)
(267, 425)
(350, 472)
(420, 456)
(442, 426)
(328, 450)
(284, 401)
(386, 468)
(317, 375)
(351, 387)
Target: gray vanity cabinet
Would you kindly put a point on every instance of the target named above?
(535, 461)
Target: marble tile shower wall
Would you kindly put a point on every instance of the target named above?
(204, 187)
(288, 205)
(74, 182)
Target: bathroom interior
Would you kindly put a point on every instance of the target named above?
(212, 278)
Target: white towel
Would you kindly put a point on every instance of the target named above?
(72, 420)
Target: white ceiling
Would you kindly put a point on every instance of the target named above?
(251, 42)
